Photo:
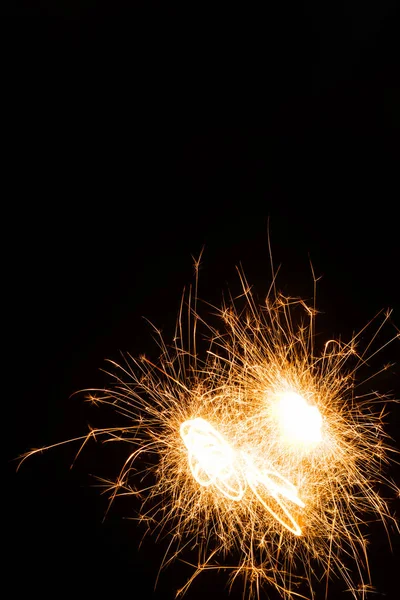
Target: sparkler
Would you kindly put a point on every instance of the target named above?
(260, 450)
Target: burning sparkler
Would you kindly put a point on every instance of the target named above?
(261, 449)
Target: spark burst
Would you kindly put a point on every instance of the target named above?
(260, 450)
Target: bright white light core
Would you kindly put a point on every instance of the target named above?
(299, 422)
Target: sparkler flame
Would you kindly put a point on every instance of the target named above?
(299, 422)
(262, 449)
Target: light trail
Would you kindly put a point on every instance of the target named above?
(211, 458)
(212, 461)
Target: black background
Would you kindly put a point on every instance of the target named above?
(136, 134)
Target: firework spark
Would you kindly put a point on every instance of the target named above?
(261, 450)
